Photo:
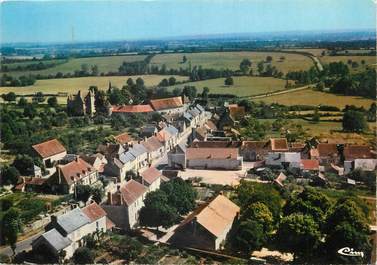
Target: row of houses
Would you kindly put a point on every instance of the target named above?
(230, 155)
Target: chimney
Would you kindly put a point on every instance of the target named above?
(54, 219)
(109, 198)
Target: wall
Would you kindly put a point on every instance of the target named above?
(234, 164)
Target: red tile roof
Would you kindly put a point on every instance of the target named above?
(123, 138)
(308, 164)
(279, 144)
(132, 190)
(314, 153)
(94, 211)
(193, 153)
(216, 144)
(166, 103)
(132, 109)
(49, 148)
(325, 149)
(211, 125)
(352, 152)
(152, 144)
(150, 175)
(76, 169)
(236, 112)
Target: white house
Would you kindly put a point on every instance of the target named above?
(66, 232)
(124, 205)
(292, 159)
(50, 151)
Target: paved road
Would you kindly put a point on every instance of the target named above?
(20, 246)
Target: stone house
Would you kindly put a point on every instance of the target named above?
(358, 156)
(126, 110)
(50, 152)
(67, 176)
(326, 154)
(208, 226)
(284, 159)
(123, 206)
(177, 157)
(80, 105)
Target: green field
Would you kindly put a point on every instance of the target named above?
(312, 97)
(243, 85)
(72, 85)
(231, 60)
(105, 64)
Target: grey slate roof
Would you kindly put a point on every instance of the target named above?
(200, 108)
(187, 116)
(72, 220)
(138, 149)
(126, 157)
(56, 240)
(194, 112)
(171, 130)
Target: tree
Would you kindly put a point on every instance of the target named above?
(354, 121)
(164, 82)
(22, 102)
(38, 97)
(347, 225)
(181, 195)
(228, 81)
(269, 59)
(248, 193)
(24, 164)
(248, 237)
(30, 111)
(9, 175)
(245, 66)
(205, 92)
(184, 59)
(259, 212)
(11, 96)
(83, 255)
(260, 68)
(172, 81)
(83, 192)
(157, 211)
(371, 114)
(130, 82)
(94, 69)
(309, 202)
(298, 234)
(190, 92)
(52, 102)
(11, 225)
(98, 193)
(316, 116)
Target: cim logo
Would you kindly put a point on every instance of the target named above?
(347, 251)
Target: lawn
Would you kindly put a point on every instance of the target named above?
(105, 64)
(231, 60)
(243, 85)
(312, 97)
(72, 85)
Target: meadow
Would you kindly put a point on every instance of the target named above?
(243, 85)
(105, 64)
(369, 61)
(232, 60)
(312, 97)
(72, 85)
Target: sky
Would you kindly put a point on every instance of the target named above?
(52, 21)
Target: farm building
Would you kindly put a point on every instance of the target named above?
(208, 226)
